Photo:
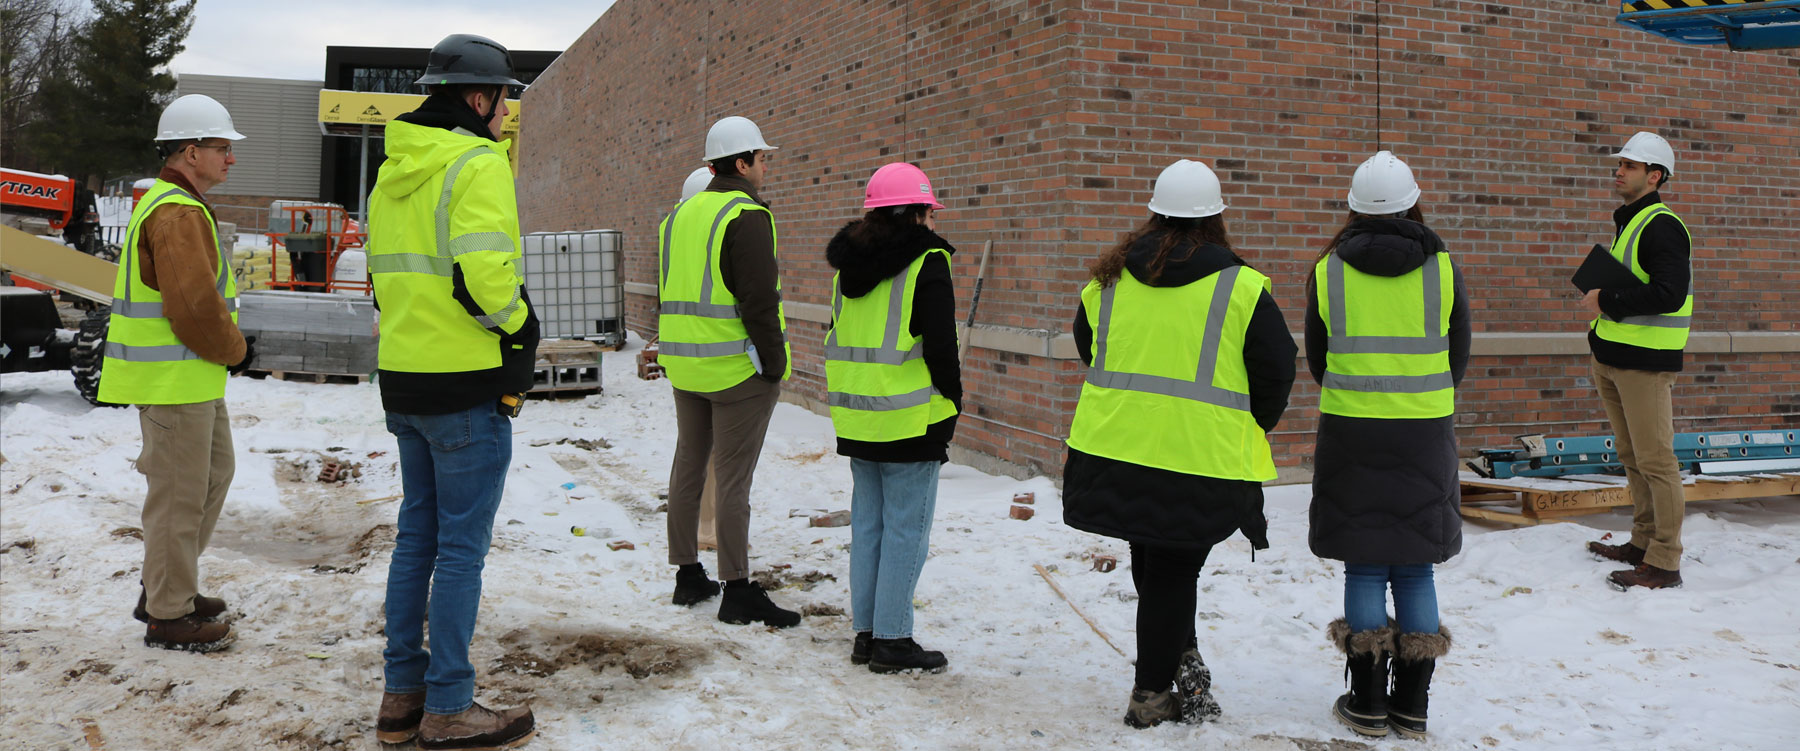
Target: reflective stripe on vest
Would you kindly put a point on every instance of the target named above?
(143, 362)
(1402, 368)
(1200, 389)
(1139, 405)
(703, 344)
(884, 392)
(440, 259)
(1665, 331)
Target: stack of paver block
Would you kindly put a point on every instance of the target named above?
(310, 332)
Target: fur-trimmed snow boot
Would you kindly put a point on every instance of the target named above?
(1415, 657)
(1364, 708)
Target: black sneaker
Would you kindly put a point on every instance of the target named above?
(1193, 686)
(745, 601)
(899, 655)
(859, 649)
(692, 586)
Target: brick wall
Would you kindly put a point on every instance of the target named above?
(1042, 124)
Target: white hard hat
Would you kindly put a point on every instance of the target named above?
(195, 116)
(1383, 185)
(1187, 189)
(696, 182)
(1649, 148)
(734, 135)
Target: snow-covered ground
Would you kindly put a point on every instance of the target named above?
(1546, 656)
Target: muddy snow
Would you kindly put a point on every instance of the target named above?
(1545, 656)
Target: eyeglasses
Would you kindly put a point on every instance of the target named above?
(224, 148)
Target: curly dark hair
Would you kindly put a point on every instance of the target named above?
(1179, 232)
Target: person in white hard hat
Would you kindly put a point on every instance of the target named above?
(1189, 366)
(1637, 334)
(723, 347)
(1387, 340)
(173, 338)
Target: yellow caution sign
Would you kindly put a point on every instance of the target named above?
(1628, 6)
(371, 108)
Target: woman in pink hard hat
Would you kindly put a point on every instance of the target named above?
(895, 389)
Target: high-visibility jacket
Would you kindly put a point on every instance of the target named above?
(1168, 387)
(144, 362)
(703, 345)
(876, 380)
(444, 223)
(1388, 355)
(1664, 331)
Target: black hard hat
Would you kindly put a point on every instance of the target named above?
(467, 58)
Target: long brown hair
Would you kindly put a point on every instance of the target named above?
(1343, 233)
(1178, 232)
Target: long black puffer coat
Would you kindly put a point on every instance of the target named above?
(1385, 491)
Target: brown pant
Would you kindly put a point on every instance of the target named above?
(723, 428)
(1638, 404)
(189, 462)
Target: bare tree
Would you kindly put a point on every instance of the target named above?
(35, 44)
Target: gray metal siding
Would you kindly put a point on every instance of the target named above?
(279, 118)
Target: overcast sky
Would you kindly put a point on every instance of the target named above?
(269, 39)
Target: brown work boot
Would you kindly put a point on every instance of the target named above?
(188, 634)
(1644, 575)
(205, 608)
(399, 718)
(1627, 553)
(477, 728)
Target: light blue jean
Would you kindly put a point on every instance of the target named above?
(890, 534)
(1415, 597)
(452, 469)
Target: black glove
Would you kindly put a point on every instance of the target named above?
(249, 354)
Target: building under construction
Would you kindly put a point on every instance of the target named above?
(1043, 125)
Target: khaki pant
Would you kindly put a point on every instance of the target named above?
(1643, 421)
(189, 462)
(722, 430)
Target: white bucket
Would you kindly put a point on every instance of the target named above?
(352, 267)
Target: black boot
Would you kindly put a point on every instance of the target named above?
(1364, 708)
(859, 649)
(745, 601)
(1193, 686)
(897, 655)
(692, 586)
(1415, 657)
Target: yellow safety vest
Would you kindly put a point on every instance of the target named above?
(444, 201)
(703, 344)
(1388, 355)
(876, 380)
(144, 362)
(1665, 331)
(1168, 387)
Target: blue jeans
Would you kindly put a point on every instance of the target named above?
(1415, 597)
(890, 534)
(452, 469)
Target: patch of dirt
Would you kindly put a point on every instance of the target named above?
(87, 666)
(1614, 637)
(818, 609)
(596, 444)
(128, 532)
(773, 580)
(1309, 744)
(639, 656)
(378, 537)
(810, 457)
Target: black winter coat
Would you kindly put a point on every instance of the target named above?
(863, 262)
(1385, 491)
(1159, 507)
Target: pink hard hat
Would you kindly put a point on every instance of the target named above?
(899, 184)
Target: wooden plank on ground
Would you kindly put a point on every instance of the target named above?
(1502, 516)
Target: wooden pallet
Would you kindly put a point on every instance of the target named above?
(304, 377)
(1543, 499)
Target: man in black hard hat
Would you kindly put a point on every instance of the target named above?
(458, 345)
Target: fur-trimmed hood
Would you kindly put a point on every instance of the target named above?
(866, 259)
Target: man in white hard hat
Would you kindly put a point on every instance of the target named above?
(172, 340)
(1637, 335)
(724, 349)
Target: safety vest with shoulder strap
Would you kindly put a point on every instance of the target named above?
(877, 383)
(1388, 355)
(703, 345)
(144, 362)
(1664, 331)
(1168, 387)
